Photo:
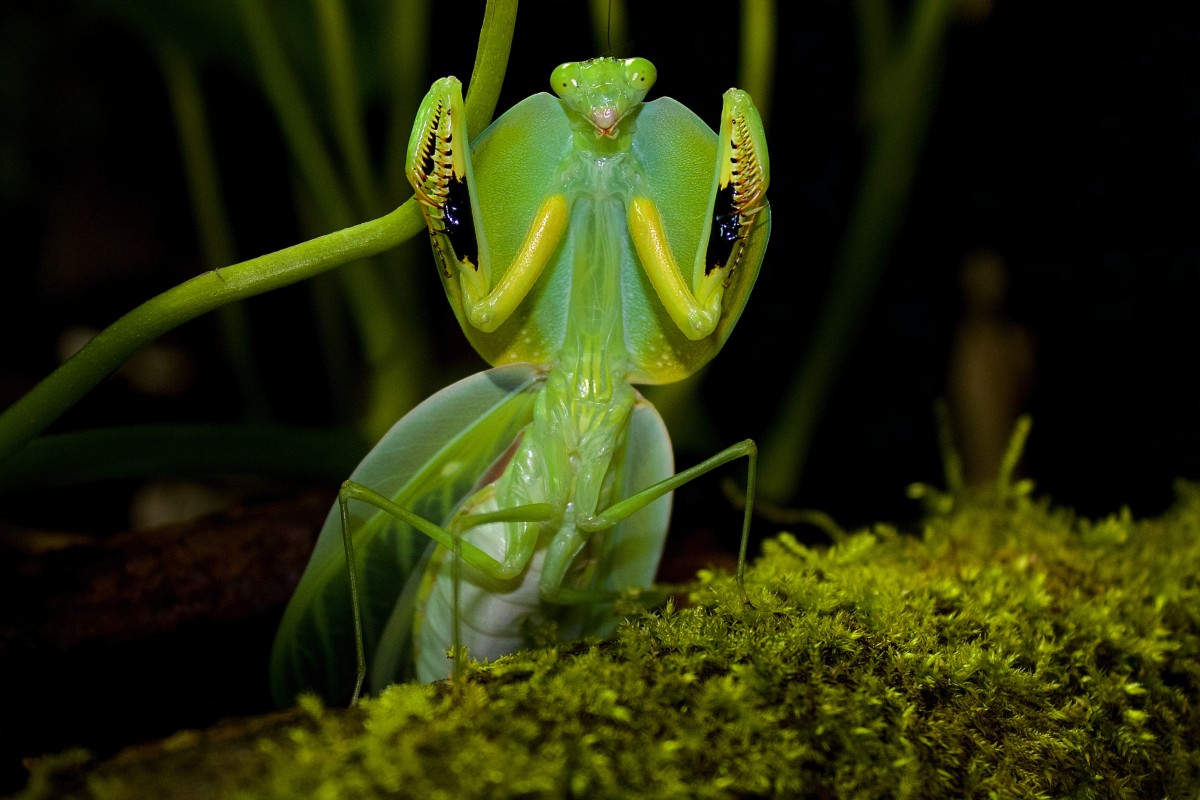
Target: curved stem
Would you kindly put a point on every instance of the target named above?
(142, 451)
(297, 122)
(491, 60)
(63, 387)
(208, 209)
(406, 50)
(342, 84)
(66, 385)
(903, 100)
(756, 55)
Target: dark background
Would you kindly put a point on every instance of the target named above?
(1065, 138)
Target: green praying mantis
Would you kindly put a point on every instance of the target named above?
(586, 242)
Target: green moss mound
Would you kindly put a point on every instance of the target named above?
(1010, 650)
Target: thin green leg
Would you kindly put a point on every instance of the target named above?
(630, 505)
(452, 540)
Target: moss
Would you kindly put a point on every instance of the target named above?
(1009, 650)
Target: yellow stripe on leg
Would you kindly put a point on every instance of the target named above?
(696, 318)
(487, 313)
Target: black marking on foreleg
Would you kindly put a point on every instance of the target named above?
(459, 224)
(726, 229)
(445, 197)
(737, 203)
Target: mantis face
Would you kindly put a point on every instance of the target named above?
(603, 90)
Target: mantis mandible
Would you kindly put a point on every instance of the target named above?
(586, 242)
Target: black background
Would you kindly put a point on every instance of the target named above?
(1065, 137)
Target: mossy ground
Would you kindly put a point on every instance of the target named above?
(1008, 650)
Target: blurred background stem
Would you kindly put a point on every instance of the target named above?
(901, 74)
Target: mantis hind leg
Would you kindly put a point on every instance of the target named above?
(451, 539)
(625, 508)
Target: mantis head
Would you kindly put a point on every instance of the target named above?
(603, 90)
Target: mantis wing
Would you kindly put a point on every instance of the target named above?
(428, 462)
(676, 151)
(627, 556)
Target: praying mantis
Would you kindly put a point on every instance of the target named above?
(587, 242)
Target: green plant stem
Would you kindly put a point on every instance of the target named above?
(212, 224)
(756, 54)
(610, 29)
(404, 55)
(68, 459)
(873, 18)
(395, 345)
(344, 99)
(407, 276)
(491, 61)
(60, 390)
(295, 115)
(382, 327)
(904, 96)
(103, 354)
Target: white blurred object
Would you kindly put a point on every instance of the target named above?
(158, 369)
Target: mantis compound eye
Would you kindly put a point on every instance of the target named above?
(640, 74)
(564, 80)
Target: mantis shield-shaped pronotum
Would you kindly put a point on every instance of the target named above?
(587, 242)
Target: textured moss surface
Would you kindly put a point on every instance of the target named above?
(1007, 650)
